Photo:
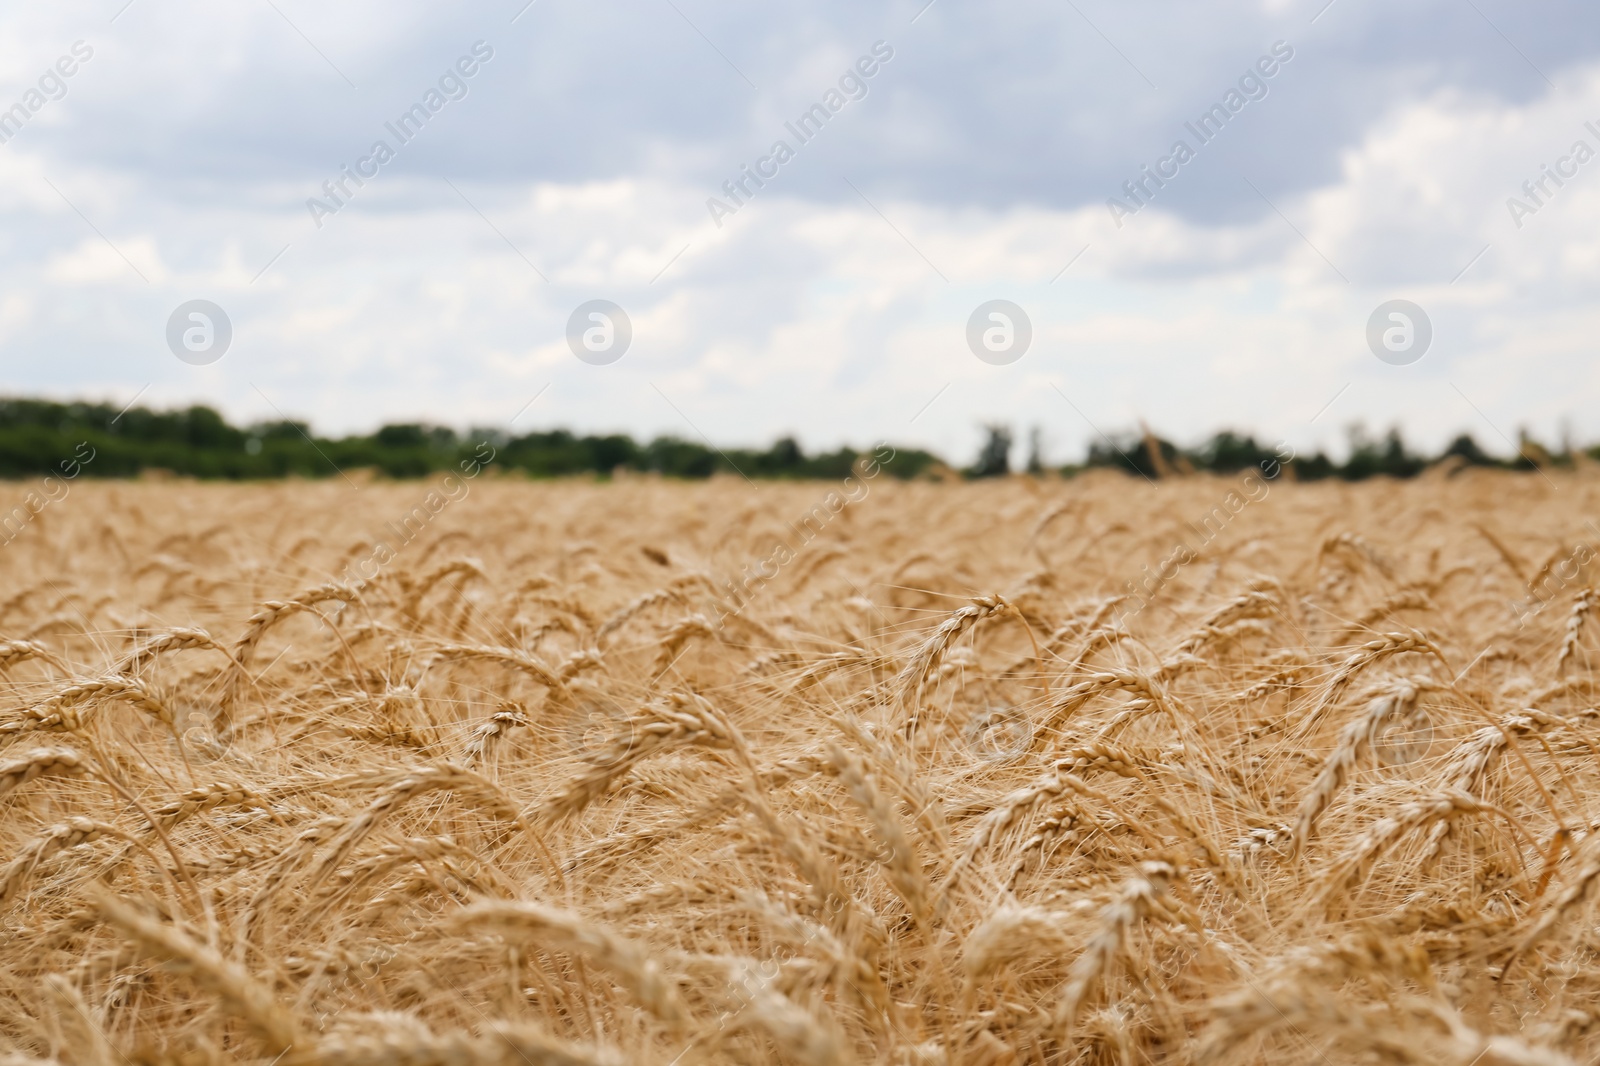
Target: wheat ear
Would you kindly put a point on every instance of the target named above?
(40, 762)
(243, 994)
(1136, 900)
(626, 960)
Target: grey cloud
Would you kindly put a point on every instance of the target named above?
(989, 105)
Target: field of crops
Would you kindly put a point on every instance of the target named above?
(1013, 771)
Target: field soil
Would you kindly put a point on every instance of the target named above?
(483, 770)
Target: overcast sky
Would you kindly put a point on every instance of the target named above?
(576, 161)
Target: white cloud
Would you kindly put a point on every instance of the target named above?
(97, 262)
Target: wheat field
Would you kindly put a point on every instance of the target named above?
(1014, 771)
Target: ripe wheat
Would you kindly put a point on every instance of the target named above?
(952, 787)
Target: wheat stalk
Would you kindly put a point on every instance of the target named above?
(902, 863)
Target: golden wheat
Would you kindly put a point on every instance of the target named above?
(959, 783)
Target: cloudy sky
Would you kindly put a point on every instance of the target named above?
(576, 161)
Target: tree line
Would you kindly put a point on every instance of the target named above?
(197, 441)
